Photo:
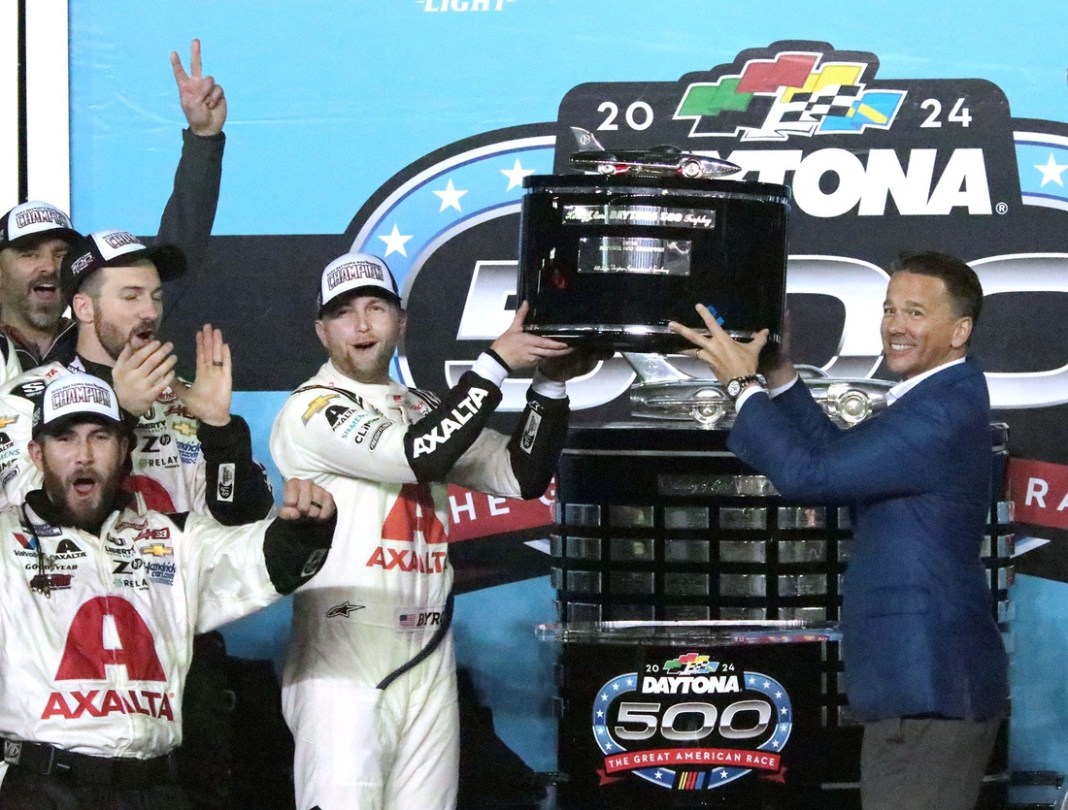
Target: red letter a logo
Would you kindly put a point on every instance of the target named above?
(413, 512)
(85, 655)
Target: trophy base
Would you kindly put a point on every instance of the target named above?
(631, 338)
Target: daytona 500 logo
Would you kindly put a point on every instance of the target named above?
(691, 724)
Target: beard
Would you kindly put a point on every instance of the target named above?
(43, 316)
(370, 368)
(88, 515)
(114, 340)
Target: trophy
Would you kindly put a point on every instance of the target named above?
(610, 257)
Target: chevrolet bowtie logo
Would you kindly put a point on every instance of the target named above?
(158, 550)
(316, 405)
(185, 427)
(7, 420)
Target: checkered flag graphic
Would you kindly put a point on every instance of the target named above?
(834, 99)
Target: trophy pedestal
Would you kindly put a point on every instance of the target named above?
(662, 527)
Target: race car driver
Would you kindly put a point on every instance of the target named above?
(34, 235)
(369, 682)
(101, 600)
(189, 453)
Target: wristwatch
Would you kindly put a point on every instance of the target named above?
(739, 384)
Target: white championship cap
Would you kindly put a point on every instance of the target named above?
(80, 397)
(356, 272)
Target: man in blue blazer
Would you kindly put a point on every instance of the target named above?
(925, 667)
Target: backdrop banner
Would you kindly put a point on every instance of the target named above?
(406, 128)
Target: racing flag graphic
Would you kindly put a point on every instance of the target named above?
(836, 100)
(805, 100)
(1042, 158)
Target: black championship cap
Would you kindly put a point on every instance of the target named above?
(114, 249)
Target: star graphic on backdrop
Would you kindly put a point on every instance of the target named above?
(1051, 171)
(450, 197)
(516, 174)
(395, 242)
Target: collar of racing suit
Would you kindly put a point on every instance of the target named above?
(97, 369)
(62, 349)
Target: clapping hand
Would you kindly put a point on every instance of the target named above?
(208, 398)
(140, 376)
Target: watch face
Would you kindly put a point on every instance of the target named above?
(734, 388)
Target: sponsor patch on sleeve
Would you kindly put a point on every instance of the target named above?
(224, 489)
(530, 432)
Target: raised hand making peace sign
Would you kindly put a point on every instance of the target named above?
(203, 101)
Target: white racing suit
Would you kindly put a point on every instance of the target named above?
(384, 453)
(177, 464)
(94, 657)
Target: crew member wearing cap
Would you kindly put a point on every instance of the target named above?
(189, 452)
(33, 240)
(34, 235)
(102, 597)
(369, 684)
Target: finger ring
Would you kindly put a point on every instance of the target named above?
(317, 504)
(218, 363)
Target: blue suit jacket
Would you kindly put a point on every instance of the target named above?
(918, 634)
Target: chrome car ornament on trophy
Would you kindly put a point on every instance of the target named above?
(661, 160)
(665, 392)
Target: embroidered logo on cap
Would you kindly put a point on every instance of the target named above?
(80, 394)
(39, 214)
(354, 271)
